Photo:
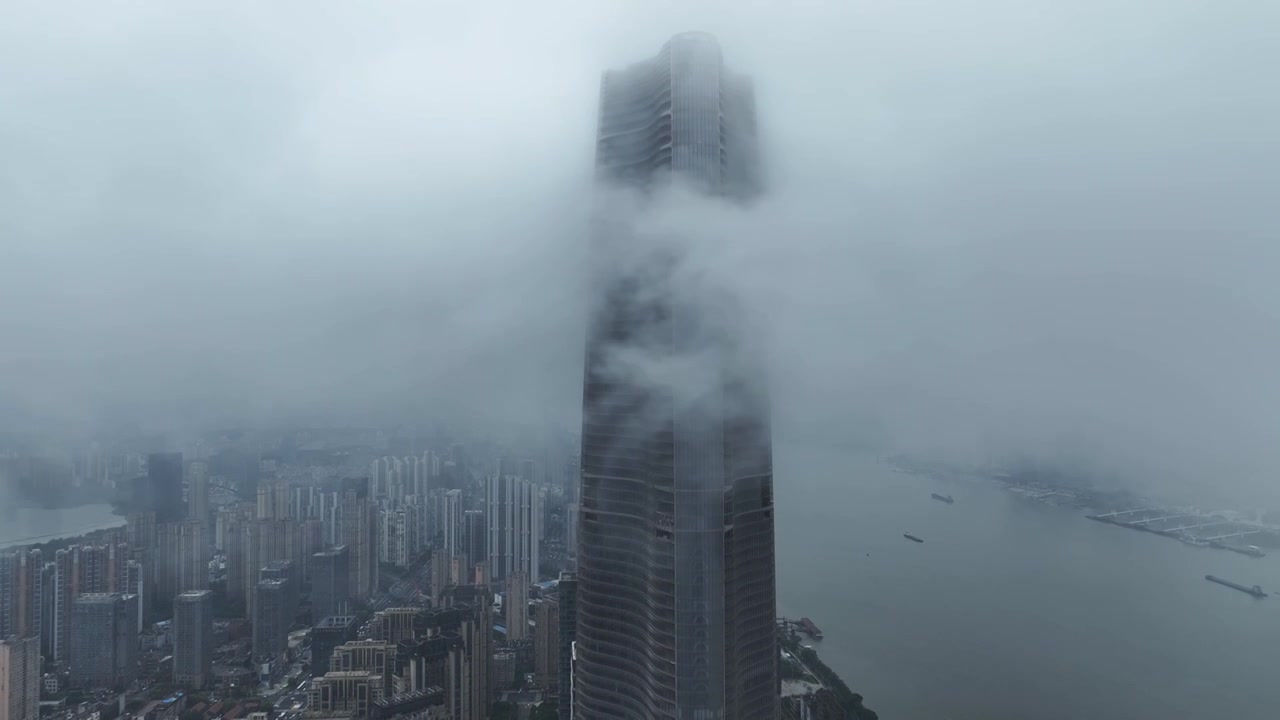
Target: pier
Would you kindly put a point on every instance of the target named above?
(1194, 528)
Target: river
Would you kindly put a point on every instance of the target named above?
(22, 526)
(1013, 609)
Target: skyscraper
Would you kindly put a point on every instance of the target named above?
(162, 490)
(193, 638)
(676, 555)
(20, 678)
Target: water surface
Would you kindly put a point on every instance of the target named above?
(1014, 609)
(22, 526)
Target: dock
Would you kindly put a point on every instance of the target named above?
(1194, 528)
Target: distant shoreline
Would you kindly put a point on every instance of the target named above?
(22, 541)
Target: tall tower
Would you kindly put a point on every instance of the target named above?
(163, 487)
(676, 585)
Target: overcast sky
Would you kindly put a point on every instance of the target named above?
(992, 227)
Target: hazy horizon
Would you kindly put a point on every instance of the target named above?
(999, 229)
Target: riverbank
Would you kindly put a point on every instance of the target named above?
(805, 678)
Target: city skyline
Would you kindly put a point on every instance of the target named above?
(688, 361)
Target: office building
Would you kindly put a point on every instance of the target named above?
(516, 606)
(103, 640)
(193, 639)
(676, 538)
(326, 635)
(330, 577)
(162, 489)
(546, 643)
(20, 678)
(513, 512)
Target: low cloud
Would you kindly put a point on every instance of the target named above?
(989, 231)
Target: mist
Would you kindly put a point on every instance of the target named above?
(1002, 229)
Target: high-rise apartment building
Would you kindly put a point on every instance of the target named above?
(20, 678)
(676, 589)
(104, 640)
(193, 639)
(513, 513)
(21, 593)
